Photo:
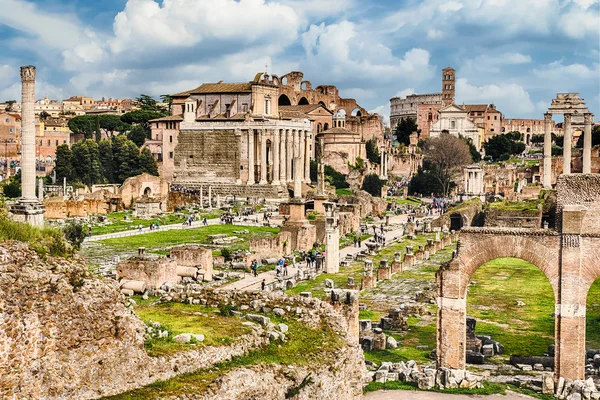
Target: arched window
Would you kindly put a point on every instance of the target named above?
(303, 101)
(326, 126)
(319, 127)
(284, 100)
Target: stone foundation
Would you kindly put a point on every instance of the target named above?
(154, 273)
(195, 256)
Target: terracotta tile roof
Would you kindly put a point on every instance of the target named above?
(340, 130)
(168, 118)
(304, 108)
(475, 107)
(218, 88)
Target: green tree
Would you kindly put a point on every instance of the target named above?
(141, 117)
(111, 123)
(12, 189)
(498, 145)
(125, 158)
(44, 115)
(446, 155)
(514, 136)
(106, 160)
(147, 162)
(64, 163)
(82, 125)
(137, 135)
(595, 138)
(335, 178)
(147, 103)
(165, 98)
(372, 151)
(537, 138)
(425, 183)
(74, 233)
(403, 130)
(9, 105)
(86, 162)
(372, 185)
(98, 133)
(475, 155)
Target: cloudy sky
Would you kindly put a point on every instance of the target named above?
(516, 54)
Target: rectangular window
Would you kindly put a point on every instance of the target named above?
(48, 143)
(170, 139)
(452, 124)
(495, 117)
(488, 117)
(56, 143)
(170, 154)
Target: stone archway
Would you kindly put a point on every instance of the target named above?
(148, 191)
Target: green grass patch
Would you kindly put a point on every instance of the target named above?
(593, 316)
(161, 240)
(343, 192)
(528, 205)
(488, 388)
(186, 318)
(119, 224)
(492, 300)
(305, 346)
(44, 241)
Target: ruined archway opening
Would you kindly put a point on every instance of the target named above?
(512, 302)
(592, 326)
(303, 101)
(284, 100)
(147, 192)
(456, 222)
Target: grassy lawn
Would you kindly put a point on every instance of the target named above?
(528, 205)
(492, 300)
(305, 346)
(118, 223)
(161, 240)
(593, 316)
(343, 192)
(186, 318)
(413, 201)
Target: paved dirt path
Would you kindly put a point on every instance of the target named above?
(417, 395)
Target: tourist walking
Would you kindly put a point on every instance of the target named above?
(285, 269)
(263, 285)
(254, 268)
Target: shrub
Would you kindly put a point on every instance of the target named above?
(42, 240)
(372, 185)
(226, 253)
(75, 233)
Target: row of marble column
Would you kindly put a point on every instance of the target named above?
(567, 145)
(290, 156)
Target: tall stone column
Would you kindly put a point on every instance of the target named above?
(201, 196)
(587, 143)
(283, 157)
(332, 239)
(28, 209)
(302, 148)
(320, 168)
(297, 178)
(547, 181)
(40, 190)
(567, 144)
(263, 157)
(250, 156)
(209, 196)
(307, 157)
(290, 153)
(275, 147)
(28, 134)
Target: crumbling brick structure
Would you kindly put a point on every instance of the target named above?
(568, 257)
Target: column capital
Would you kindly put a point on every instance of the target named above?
(28, 73)
(568, 118)
(588, 117)
(547, 117)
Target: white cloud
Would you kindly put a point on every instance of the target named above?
(384, 111)
(488, 63)
(510, 98)
(405, 92)
(341, 51)
(147, 25)
(576, 74)
(42, 89)
(8, 74)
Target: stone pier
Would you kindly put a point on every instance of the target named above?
(28, 209)
(332, 239)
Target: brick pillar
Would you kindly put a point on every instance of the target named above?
(571, 302)
(307, 157)
(568, 139)
(587, 143)
(451, 333)
(250, 156)
(263, 157)
(275, 147)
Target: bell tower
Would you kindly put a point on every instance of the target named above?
(448, 86)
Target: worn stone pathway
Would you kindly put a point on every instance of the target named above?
(418, 395)
(195, 224)
(250, 283)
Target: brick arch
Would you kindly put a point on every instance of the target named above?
(541, 250)
(591, 264)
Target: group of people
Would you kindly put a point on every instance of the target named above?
(154, 225)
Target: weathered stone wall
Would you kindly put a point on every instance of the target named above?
(271, 247)
(513, 218)
(468, 213)
(207, 154)
(154, 273)
(56, 208)
(180, 199)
